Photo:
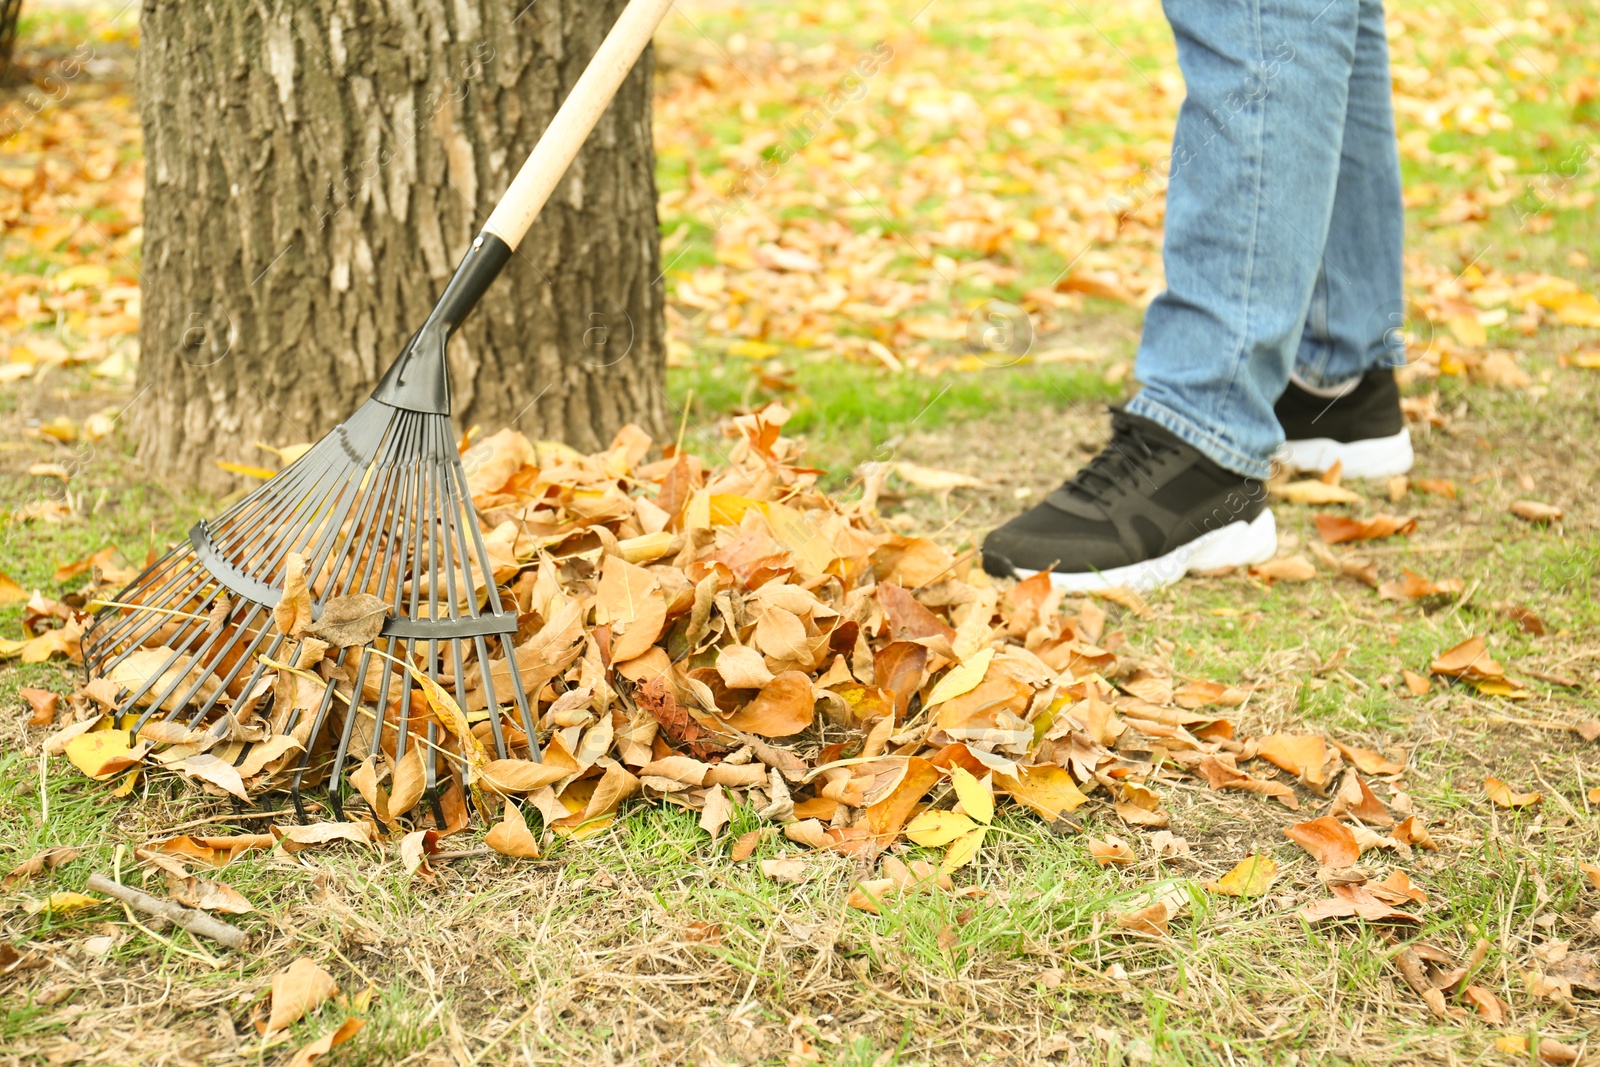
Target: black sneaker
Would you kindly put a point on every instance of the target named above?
(1143, 513)
(1358, 424)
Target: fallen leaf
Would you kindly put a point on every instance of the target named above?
(38, 863)
(1534, 511)
(1110, 850)
(792, 871)
(1294, 568)
(308, 1054)
(1327, 840)
(293, 612)
(1415, 682)
(416, 847)
(1413, 586)
(1314, 491)
(1338, 529)
(511, 836)
(63, 903)
(1504, 797)
(1249, 878)
(301, 987)
(208, 895)
(43, 704)
(1469, 659)
(783, 707)
(353, 619)
(218, 772)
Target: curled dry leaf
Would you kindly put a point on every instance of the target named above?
(415, 848)
(1294, 568)
(1338, 529)
(308, 1054)
(38, 863)
(1504, 796)
(1413, 586)
(1469, 660)
(1314, 491)
(1534, 511)
(1110, 850)
(353, 619)
(1327, 840)
(207, 894)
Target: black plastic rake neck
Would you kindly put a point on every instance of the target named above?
(419, 380)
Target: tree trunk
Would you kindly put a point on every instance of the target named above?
(315, 170)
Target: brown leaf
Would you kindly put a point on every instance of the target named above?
(353, 619)
(293, 612)
(718, 810)
(1470, 660)
(1413, 586)
(218, 772)
(43, 704)
(1368, 761)
(1294, 568)
(792, 871)
(1303, 755)
(511, 836)
(300, 988)
(1327, 840)
(1534, 511)
(1147, 920)
(209, 895)
(415, 848)
(742, 667)
(909, 620)
(1110, 850)
(1338, 529)
(783, 707)
(308, 1054)
(1491, 1007)
(1503, 795)
(47, 860)
(1415, 682)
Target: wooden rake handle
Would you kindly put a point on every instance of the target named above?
(562, 139)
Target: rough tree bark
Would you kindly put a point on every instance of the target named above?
(314, 171)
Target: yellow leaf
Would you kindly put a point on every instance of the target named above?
(935, 828)
(963, 850)
(245, 469)
(1250, 878)
(62, 903)
(10, 591)
(101, 754)
(962, 679)
(977, 798)
(1313, 491)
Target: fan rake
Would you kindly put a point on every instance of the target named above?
(380, 508)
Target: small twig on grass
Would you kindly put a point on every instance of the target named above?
(196, 922)
(230, 817)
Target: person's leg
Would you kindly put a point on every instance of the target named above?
(1342, 404)
(1357, 305)
(1255, 167)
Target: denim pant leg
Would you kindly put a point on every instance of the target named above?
(1255, 163)
(1358, 306)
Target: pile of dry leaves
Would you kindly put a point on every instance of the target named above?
(727, 636)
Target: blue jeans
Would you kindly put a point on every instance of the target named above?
(1284, 221)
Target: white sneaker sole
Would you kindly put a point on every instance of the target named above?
(1378, 457)
(1238, 544)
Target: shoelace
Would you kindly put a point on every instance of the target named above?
(1129, 454)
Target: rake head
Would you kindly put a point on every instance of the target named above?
(380, 508)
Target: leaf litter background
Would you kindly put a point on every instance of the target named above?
(812, 676)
